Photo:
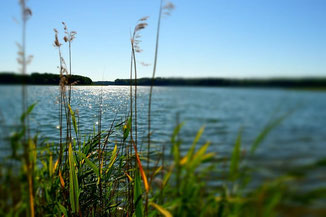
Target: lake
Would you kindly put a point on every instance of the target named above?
(299, 139)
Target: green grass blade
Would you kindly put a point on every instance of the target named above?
(89, 163)
(63, 209)
(267, 129)
(176, 132)
(199, 156)
(163, 211)
(176, 144)
(73, 182)
(28, 111)
(73, 118)
(138, 195)
(193, 146)
(113, 158)
(126, 129)
(235, 159)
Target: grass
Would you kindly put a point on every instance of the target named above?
(98, 175)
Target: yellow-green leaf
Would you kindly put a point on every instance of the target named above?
(163, 211)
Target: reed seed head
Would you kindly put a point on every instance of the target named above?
(70, 36)
(140, 26)
(135, 37)
(26, 12)
(56, 39)
(168, 8)
(143, 18)
(64, 26)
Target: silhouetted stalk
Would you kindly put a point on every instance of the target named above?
(60, 129)
(67, 112)
(69, 37)
(77, 133)
(69, 97)
(168, 7)
(69, 72)
(26, 13)
(151, 87)
(129, 163)
(178, 167)
(135, 69)
(58, 45)
(162, 174)
(150, 99)
(99, 150)
(135, 48)
(24, 91)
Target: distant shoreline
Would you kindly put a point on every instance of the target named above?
(7, 78)
(295, 83)
(54, 79)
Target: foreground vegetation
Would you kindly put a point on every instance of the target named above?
(104, 174)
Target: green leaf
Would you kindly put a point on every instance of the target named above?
(113, 157)
(73, 118)
(167, 176)
(163, 211)
(235, 159)
(193, 146)
(27, 112)
(126, 129)
(89, 163)
(176, 144)
(267, 129)
(73, 182)
(199, 156)
(138, 195)
(176, 132)
(63, 209)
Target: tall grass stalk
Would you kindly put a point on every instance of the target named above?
(129, 125)
(168, 7)
(152, 84)
(27, 142)
(68, 38)
(100, 160)
(135, 40)
(135, 104)
(164, 9)
(135, 48)
(57, 44)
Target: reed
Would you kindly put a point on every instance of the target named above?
(164, 10)
(57, 44)
(28, 145)
(135, 48)
(68, 38)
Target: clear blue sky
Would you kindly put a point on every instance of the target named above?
(207, 38)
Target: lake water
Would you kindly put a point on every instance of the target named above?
(301, 138)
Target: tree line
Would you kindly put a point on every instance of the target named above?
(41, 79)
(224, 82)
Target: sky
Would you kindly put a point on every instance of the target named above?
(203, 38)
